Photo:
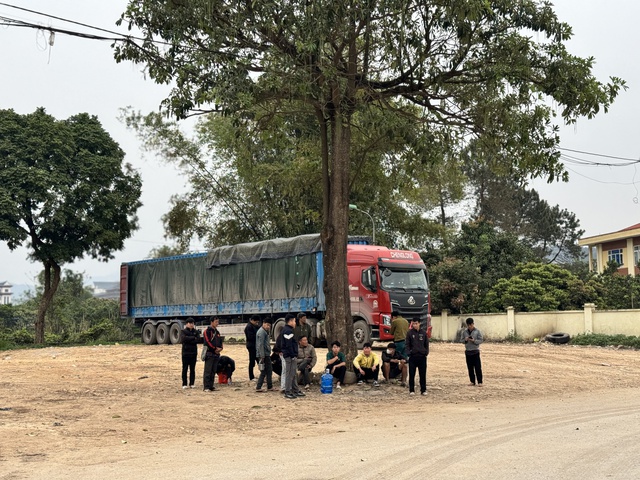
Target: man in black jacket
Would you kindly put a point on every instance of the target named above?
(290, 354)
(190, 338)
(417, 349)
(213, 341)
(250, 332)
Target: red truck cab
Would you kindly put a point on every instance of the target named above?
(381, 281)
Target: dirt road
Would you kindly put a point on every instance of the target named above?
(545, 411)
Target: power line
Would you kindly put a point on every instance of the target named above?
(633, 160)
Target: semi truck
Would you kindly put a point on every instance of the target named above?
(272, 278)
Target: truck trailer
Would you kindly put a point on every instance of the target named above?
(272, 278)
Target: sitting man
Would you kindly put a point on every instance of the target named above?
(367, 366)
(306, 360)
(227, 366)
(394, 364)
(337, 363)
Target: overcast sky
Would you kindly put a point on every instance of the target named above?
(76, 75)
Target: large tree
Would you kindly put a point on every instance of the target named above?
(471, 66)
(64, 193)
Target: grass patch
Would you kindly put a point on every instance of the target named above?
(606, 340)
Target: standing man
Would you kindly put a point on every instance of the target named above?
(367, 366)
(213, 341)
(302, 329)
(190, 338)
(472, 338)
(399, 329)
(263, 354)
(337, 363)
(290, 354)
(417, 348)
(306, 360)
(250, 341)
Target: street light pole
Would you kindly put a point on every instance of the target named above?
(373, 225)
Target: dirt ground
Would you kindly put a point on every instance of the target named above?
(120, 411)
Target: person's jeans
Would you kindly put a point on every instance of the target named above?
(474, 366)
(419, 362)
(267, 373)
(189, 363)
(291, 385)
(252, 360)
(210, 367)
(306, 372)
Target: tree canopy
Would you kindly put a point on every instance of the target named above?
(64, 193)
(488, 69)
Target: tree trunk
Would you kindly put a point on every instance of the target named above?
(339, 323)
(50, 287)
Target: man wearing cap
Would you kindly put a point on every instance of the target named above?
(250, 331)
(213, 341)
(399, 329)
(263, 354)
(417, 348)
(394, 364)
(189, 338)
(302, 328)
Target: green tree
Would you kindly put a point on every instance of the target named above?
(470, 66)
(540, 287)
(64, 193)
(478, 257)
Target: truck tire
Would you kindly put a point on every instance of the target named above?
(277, 329)
(174, 333)
(149, 334)
(361, 333)
(162, 334)
(559, 338)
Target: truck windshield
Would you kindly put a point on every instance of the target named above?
(403, 279)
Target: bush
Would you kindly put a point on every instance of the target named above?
(22, 337)
(606, 340)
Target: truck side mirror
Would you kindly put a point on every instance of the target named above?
(369, 279)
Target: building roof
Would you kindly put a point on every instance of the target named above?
(628, 232)
(5, 284)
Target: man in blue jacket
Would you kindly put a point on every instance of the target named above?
(290, 354)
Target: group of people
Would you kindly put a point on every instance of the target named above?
(214, 362)
(293, 357)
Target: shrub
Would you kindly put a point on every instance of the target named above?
(606, 340)
(22, 337)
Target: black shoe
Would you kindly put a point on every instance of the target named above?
(290, 396)
(300, 394)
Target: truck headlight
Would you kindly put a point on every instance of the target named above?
(386, 319)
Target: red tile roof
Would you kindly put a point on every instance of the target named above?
(632, 227)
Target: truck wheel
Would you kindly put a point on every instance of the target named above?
(361, 333)
(149, 334)
(174, 333)
(162, 334)
(277, 329)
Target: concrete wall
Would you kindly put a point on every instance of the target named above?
(530, 325)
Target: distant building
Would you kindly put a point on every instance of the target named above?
(106, 289)
(5, 293)
(622, 246)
